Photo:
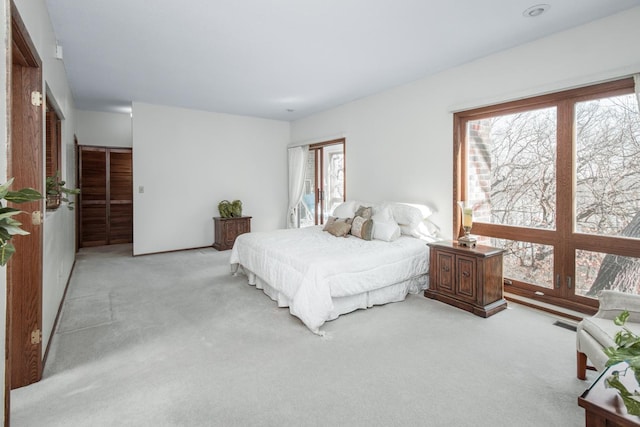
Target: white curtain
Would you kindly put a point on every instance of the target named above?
(297, 165)
(636, 80)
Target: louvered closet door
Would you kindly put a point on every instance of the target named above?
(120, 197)
(106, 197)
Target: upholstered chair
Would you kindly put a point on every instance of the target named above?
(596, 333)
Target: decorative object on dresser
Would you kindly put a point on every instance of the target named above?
(466, 207)
(229, 209)
(227, 229)
(467, 278)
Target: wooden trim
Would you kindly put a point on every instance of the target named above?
(513, 296)
(459, 170)
(562, 237)
(21, 42)
(318, 149)
(325, 143)
(612, 88)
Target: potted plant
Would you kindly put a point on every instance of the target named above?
(229, 209)
(9, 226)
(57, 193)
(628, 351)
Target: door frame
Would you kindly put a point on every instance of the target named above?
(23, 355)
(318, 149)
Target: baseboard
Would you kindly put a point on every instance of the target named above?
(57, 319)
(561, 312)
(171, 251)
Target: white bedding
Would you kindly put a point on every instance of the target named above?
(310, 268)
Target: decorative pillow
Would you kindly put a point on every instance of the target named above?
(362, 228)
(386, 230)
(338, 228)
(345, 210)
(364, 211)
(333, 219)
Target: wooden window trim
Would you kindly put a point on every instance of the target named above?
(53, 146)
(563, 232)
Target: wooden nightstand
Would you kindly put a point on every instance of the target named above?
(467, 278)
(227, 229)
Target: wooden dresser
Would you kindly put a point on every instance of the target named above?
(467, 278)
(227, 229)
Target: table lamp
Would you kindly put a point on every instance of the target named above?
(467, 222)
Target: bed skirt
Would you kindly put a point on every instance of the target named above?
(342, 305)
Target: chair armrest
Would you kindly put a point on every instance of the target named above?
(612, 303)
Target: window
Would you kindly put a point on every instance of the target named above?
(324, 186)
(52, 138)
(556, 183)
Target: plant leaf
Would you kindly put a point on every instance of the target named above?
(4, 188)
(8, 212)
(6, 251)
(630, 399)
(621, 319)
(14, 230)
(24, 195)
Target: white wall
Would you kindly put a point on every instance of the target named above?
(59, 226)
(103, 129)
(188, 160)
(400, 142)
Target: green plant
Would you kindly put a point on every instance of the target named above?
(628, 351)
(229, 209)
(9, 226)
(57, 193)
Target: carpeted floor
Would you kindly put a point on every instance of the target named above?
(175, 340)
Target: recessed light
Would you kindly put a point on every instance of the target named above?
(535, 11)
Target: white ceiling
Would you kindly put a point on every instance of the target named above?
(264, 58)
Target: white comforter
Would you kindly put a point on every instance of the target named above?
(310, 266)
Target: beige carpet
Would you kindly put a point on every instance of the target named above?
(174, 340)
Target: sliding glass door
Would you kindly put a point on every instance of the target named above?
(556, 183)
(324, 185)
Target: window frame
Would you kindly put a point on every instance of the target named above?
(53, 148)
(564, 239)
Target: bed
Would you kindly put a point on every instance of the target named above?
(319, 276)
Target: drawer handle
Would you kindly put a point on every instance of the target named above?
(446, 268)
(466, 274)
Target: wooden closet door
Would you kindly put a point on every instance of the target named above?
(106, 196)
(120, 216)
(93, 196)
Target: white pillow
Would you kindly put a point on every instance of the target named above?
(345, 209)
(386, 230)
(382, 213)
(421, 232)
(409, 213)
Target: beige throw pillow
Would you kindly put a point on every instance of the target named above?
(362, 228)
(338, 228)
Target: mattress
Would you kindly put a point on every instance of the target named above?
(320, 276)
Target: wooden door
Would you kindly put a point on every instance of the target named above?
(120, 212)
(24, 270)
(106, 196)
